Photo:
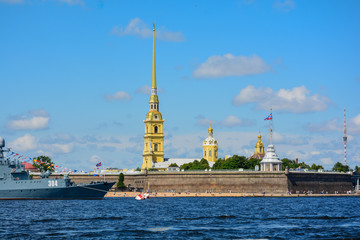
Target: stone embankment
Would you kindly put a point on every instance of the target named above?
(162, 194)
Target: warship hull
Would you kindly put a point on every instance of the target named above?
(90, 191)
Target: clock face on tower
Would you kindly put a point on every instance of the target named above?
(156, 116)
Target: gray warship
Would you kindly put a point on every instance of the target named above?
(16, 183)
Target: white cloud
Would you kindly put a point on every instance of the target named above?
(284, 5)
(296, 154)
(95, 159)
(121, 96)
(230, 65)
(297, 100)
(144, 90)
(354, 125)
(138, 27)
(33, 120)
(60, 148)
(326, 161)
(202, 121)
(232, 121)
(325, 126)
(287, 139)
(147, 90)
(335, 125)
(24, 143)
(229, 121)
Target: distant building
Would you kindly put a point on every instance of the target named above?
(259, 149)
(210, 147)
(30, 167)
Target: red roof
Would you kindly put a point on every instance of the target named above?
(30, 167)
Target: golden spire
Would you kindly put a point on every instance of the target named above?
(154, 63)
(154, 98)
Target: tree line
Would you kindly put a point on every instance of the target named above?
(236, 162)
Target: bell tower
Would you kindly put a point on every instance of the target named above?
(210, 147)
(154, 132)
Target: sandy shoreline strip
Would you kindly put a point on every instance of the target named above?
(163, 194)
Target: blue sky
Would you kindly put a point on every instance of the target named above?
(75, 77)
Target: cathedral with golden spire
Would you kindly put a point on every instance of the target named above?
(154, 132)
(259, 149)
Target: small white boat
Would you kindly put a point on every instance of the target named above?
(140, 197)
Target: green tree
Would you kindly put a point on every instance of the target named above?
(43, 163)
(120, 183)
(316, 167)
(218, 164)
(292, 164)
(288, 163)
(253, 162)
(173, 165)
(196, 165)
(234, 162)
(204, 163)
(357, 169)
(340, 167)
(138, 169)
(303, 165)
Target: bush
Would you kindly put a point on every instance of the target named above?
(120, 183)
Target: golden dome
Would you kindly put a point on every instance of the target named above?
(210, 130)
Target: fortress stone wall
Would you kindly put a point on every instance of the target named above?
(319, 182)
(242, 182)
(225, 181)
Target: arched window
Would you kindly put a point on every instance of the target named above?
(209, 153)
(216, 153)
(151, 106)
(155, 147)
(155, 129)
(205, 153)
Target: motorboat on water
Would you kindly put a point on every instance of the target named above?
(142, 196)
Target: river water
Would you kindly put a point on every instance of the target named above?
(183, 218)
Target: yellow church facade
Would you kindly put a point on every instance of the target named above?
(154, 125)
(210, 147)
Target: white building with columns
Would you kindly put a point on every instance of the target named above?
(271, 162)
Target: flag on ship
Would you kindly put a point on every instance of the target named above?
(98, 164)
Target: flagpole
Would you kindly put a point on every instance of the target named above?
(103, 169)
(271, 127)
